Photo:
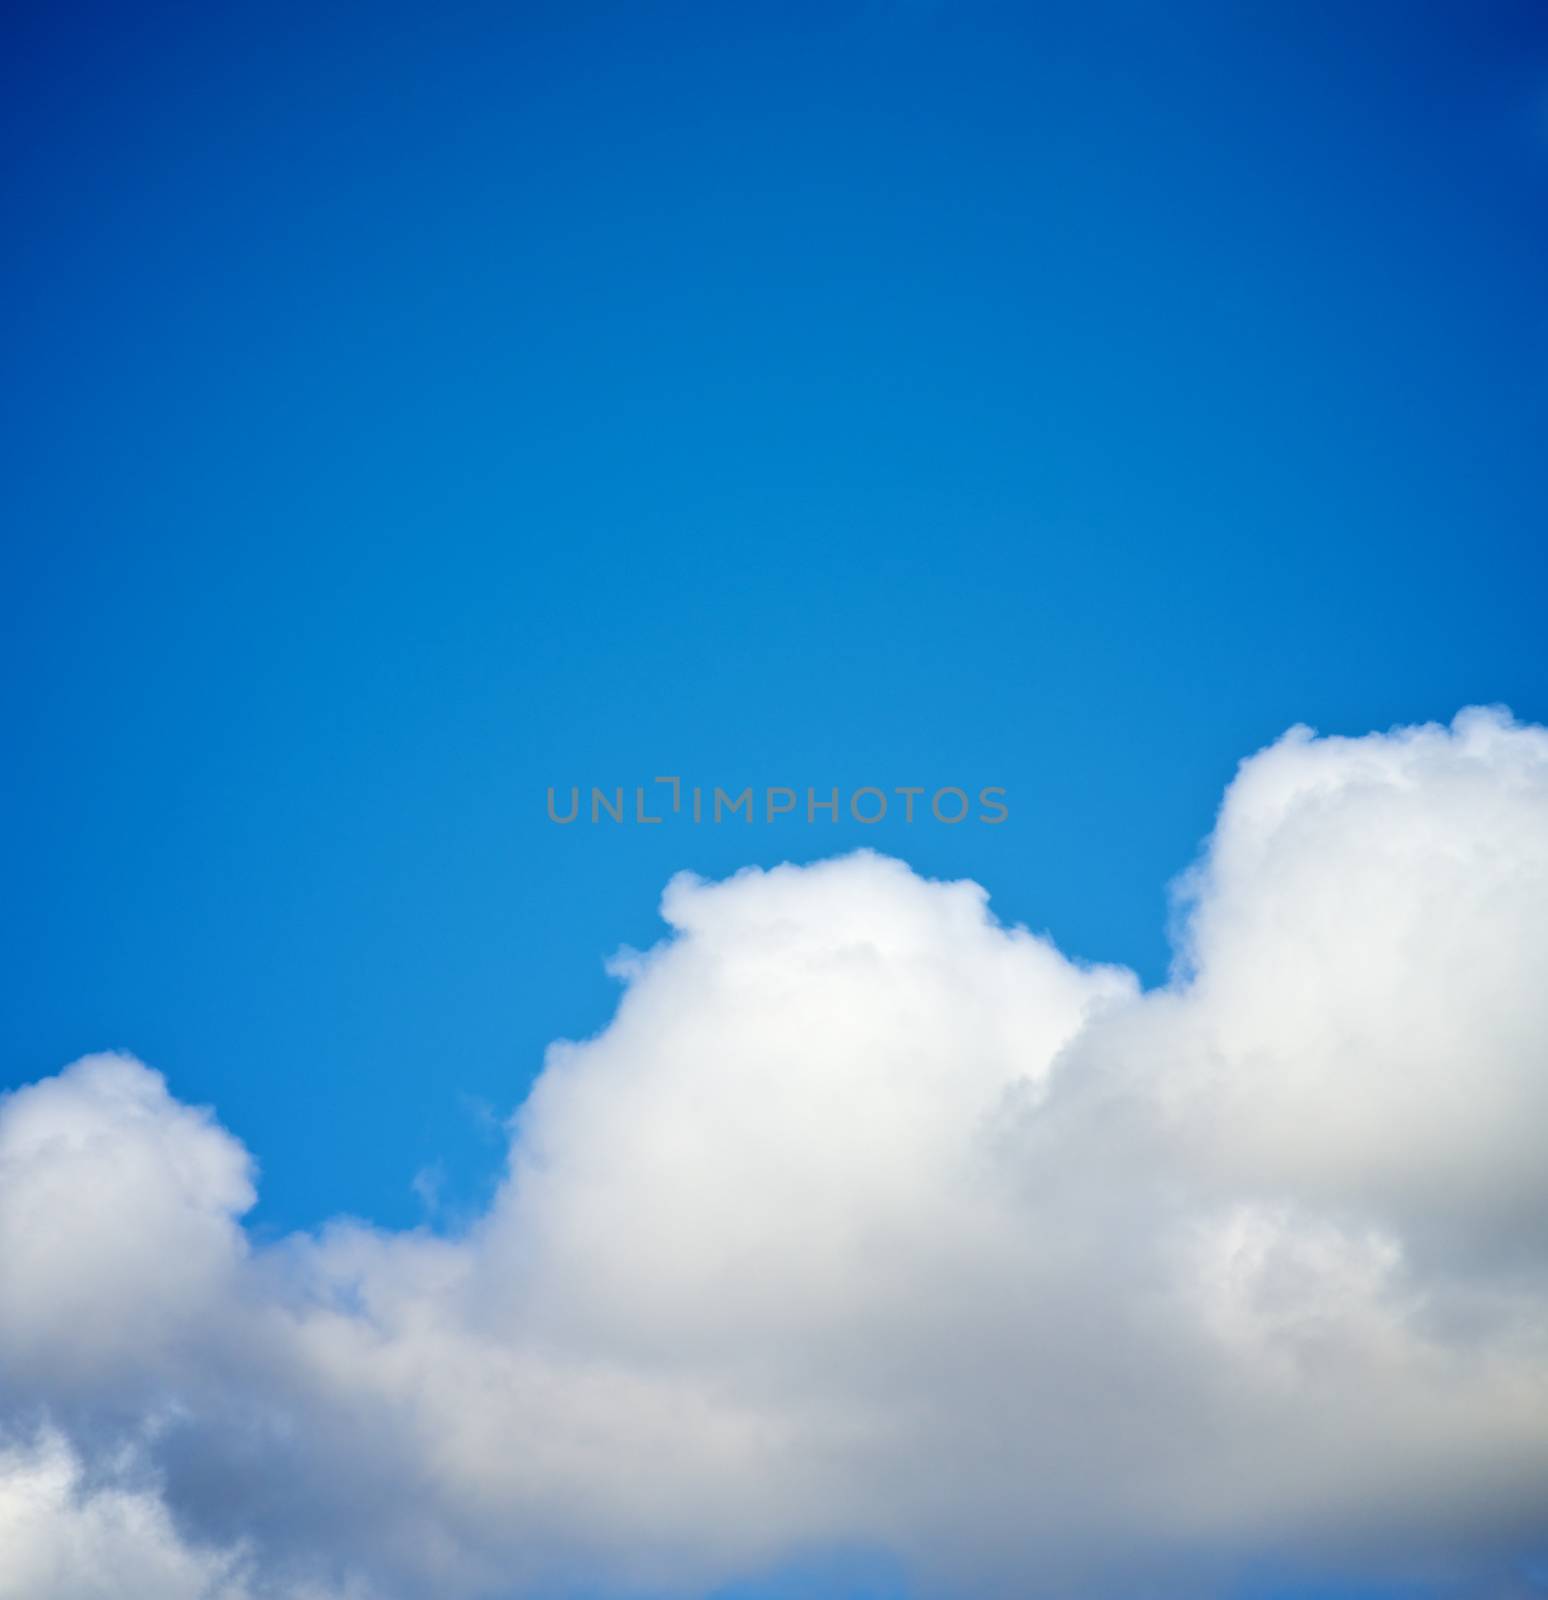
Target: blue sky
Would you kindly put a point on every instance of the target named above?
(408, 411)
(409, 408)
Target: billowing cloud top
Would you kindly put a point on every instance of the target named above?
(868, 1222)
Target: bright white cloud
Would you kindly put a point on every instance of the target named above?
(67, 1540)
(869, 1221)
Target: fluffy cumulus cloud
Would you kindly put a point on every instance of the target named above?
(871, 1223)
(62, 1539)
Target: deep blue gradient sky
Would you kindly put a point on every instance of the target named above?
(409, 408)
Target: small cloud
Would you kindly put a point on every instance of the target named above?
(428, 1184)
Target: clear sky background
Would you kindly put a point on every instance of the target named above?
(409, 408)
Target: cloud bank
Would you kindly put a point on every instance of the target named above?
(869, 1223)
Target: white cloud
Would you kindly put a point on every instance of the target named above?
(65, 1540)
(868, 1221)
